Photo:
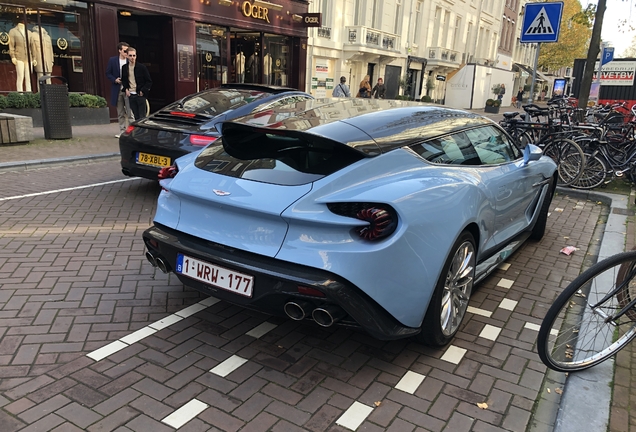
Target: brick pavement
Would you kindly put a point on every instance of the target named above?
(74, 279)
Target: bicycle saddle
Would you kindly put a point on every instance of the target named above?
(511, 114)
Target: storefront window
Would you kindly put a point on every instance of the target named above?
(276, 60)
(36, 42)
(211, 56)
(245, 50)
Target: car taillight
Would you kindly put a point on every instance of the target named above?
(202, 140)
(182, 114)
(382, 218)
(168, 172)
(129, 130)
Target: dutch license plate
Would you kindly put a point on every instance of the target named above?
(211, 274)
(153, 160)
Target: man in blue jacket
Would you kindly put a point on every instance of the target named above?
(117, 97)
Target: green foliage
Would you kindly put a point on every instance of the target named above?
(496, 89)
(92, 101)
(426, 98)
(3, 102)
(403, 97)
(32, 100)
(16, 100)
(490, 102)
(430, 84)
(76, 100)
(496, 103)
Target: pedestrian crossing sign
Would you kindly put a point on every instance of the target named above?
(541, 22)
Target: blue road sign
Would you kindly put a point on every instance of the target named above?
(607, 55)
(541, 22)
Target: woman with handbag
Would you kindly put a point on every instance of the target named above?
(365, 88)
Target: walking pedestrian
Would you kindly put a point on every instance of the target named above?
(342, 89)
(136, 82)
(117, 97)
(365, 88)
(519, 97)
(502, 92)
(379, 89)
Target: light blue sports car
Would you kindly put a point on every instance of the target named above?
(374, 214)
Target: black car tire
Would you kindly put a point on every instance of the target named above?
(459, 270)
(539, 227)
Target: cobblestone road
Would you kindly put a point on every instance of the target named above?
(73, 279)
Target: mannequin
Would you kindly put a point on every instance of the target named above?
(239, 67)
(252, 67)
(47, 55)
(19, 36)
(267, 66)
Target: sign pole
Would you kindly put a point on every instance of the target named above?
(534, 72)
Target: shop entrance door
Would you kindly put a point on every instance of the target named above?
(245, 54)
(150, 35)
(392, 81)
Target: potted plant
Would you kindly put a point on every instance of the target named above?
(492, 106)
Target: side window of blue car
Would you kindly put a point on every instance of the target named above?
(455, 149)
(492, 146)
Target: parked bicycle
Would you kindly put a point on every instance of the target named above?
(593, 318)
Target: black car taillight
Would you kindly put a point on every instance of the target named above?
(168, 172)
(382, 218)
(202, 140)
(129, 130)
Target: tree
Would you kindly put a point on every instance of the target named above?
(574, 36)
(630, 51)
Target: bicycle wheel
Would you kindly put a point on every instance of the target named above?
(594, 173)
(580, 329)
(569, 157)
(520, 136)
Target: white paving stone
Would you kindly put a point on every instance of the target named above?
(454, 354)
(410, 382)
(490, 332)
(532, 326)
(261, 329)
(165, 322)
(354, 416)
(504, 266)
(107, 350)
(505, 283)
(225, 368)
(508, 304)
(209, 301)
(185, 413)
(477, 311)
(138, 335)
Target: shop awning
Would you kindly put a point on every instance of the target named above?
(542, 77)
(523, 68)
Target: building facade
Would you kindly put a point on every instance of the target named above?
(187, 45)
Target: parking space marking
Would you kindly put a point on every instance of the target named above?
(504, 266)
(505, 283)
(453, 354)
(151, 329)
(410, 382)
(261, 330)
(490, 332)
(107, 350)
(225, 368)
(508, 304)
(67, 189)
(477, 311)
(185, 413)
(138, 335)
(354, 416)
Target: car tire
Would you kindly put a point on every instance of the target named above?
(452, 294)
(539, 227)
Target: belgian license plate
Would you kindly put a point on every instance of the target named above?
(153, 160)
(211, 274)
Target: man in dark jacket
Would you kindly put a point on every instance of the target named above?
(379, 89)
(136, 82)
(117, 97)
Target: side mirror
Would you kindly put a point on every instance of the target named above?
(531, 153)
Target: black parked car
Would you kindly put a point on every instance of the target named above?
(192, 123)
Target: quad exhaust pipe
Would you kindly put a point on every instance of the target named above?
(297, 309)
(326, 316)
(151, 259)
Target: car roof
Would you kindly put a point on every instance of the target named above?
(372, 126)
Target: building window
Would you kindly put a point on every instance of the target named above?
(437, 24)
(418, 23)
(398, 16)
(458, 25)
(376, 14)
(325, 9)
(357, 13)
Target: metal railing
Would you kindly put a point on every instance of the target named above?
(372, 38)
